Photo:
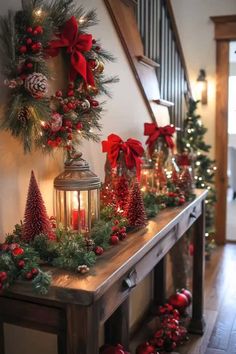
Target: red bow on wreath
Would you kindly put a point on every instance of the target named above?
(132, 149)
(154, 132)
(76, 45)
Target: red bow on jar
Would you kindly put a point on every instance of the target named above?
(76, 45)
(132, 149)
(154, 132)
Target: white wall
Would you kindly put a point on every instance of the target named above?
(197, 37)
(125, 115)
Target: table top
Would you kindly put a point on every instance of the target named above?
(76, 288)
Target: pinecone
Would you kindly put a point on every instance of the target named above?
(37, 85)
(23, 115)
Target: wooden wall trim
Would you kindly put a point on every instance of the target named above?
(225, 27)
(221, 137)
(225, 31)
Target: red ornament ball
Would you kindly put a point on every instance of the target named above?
(21, 263)
(29, 41)
(23, 49)
(188, 294)
(34, 271)
(114, 240)
(4, 247)
(3, 276)
(38, 30)
(110, 349)
(94, 103)
(178, 301)
(29, 30)
(79, 126)
(99, 251)
(29, 275)
(17, 252)
(29, 65)
(146, 348)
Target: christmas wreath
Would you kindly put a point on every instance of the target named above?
(29, 38)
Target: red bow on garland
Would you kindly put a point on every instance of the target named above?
(153, 131)
(76, 45)
(132, 149)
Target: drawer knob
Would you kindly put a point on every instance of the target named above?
(130, 281)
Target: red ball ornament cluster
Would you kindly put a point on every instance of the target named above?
(170, 332)
(31, 43)
(118, 233)
(17, 253)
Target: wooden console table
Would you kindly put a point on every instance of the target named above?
(76, 305)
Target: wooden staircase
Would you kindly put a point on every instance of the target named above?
(149, 35)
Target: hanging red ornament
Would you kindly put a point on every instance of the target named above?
(29, 30)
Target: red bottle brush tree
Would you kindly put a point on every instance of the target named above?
(135, 210)
(36, 220)
(121, 191)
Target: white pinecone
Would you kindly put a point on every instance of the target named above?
(37, 85)
(23, 115)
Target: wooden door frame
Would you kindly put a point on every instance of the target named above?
(225, 31)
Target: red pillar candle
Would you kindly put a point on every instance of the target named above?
(80, 219)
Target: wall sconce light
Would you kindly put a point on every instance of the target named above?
(202, 86)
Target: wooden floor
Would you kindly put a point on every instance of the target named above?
(220, 306)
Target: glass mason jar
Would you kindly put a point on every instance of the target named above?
(160, 180)
(147, 175)
(160, 146)
(172, 170)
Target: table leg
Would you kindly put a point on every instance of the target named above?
(160, 282)
(117, 326)
(2, 347)
(82, 329)
(197, 323)
(61, 343)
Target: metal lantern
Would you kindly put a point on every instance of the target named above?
(147, 175)
(77, 196)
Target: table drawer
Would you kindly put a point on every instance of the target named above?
(189, 218)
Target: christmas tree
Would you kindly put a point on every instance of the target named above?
(193, 141)
(36, 220)
(135, 210)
